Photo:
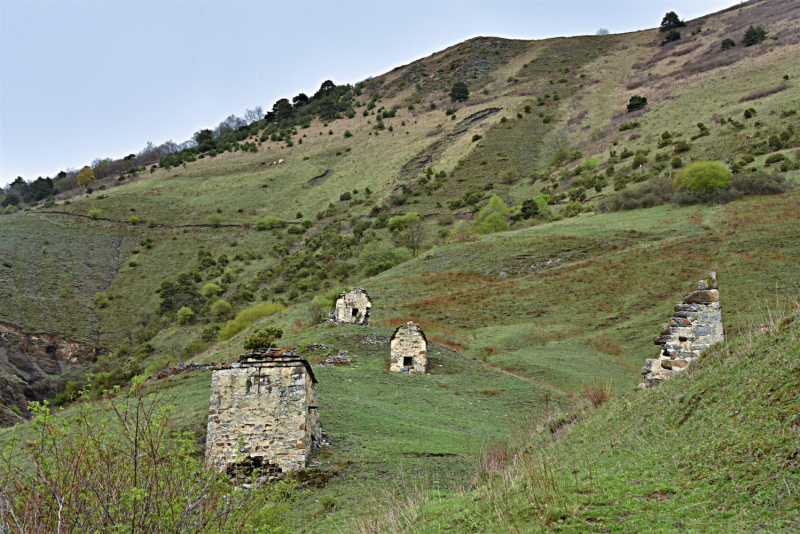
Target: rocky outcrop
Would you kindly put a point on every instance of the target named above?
(30, 365)
(695, 326)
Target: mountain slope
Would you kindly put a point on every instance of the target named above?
(523, 318)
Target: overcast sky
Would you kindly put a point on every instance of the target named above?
(87, 79)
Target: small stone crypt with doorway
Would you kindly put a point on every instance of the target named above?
(409, 350)
(263, 414)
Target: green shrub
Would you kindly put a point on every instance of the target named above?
(270, 223)
(185, 316)
(379, 256)
(492, 217)
(636, 102)
(221, 310)
(133, 220)
(775, 142)
(775, 158)
(133, 263)
(588, 164)
(628, 126)
(247, 317)
(494, 222)
(211, 291)
(263, 338)
(348, 133)
(671, 37)
(572, 209)
(296, 230)
(214, 219)
(681, 146)
(727, 44)
(95, 213)
(638, 159)
(114, 464)
(703, 178)
(477, 137)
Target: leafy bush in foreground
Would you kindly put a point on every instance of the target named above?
(116, 467)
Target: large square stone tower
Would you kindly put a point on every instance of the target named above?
(263, 412)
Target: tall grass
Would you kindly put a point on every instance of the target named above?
(597, 393)
(247, 317)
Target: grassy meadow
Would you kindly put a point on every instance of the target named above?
(520, 322)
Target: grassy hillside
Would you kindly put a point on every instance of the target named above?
(521, 320)
(713, 450)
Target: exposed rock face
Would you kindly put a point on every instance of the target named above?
(353, 307)
(29, 363)
(409, 350)
(263, 412)
(696, 325)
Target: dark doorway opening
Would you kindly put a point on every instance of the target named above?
(408, 361)
(253, 466)
(355, 312)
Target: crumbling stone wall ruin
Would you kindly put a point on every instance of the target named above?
(353, 307)
(263, 412)
(409, 350)
(696, 325)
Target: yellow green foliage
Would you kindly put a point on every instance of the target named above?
(247, 317)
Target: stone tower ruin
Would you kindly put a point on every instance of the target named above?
(409, 350)
(353, 307)
(263, 413)
(696, 325)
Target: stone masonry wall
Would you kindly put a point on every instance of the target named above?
(409, 350)
(353, 307)
(264, 411)
(696, 325)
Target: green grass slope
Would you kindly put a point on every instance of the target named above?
(520, 320)
(713, 450)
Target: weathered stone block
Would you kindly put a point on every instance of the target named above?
(702, 296)
(265, 412)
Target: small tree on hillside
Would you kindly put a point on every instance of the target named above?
(459, 92)
(414, 236)
(671, 21)
(86, 176)
(727, 44)
(754, 35)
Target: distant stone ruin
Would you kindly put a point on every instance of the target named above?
(409, 350)
(353, 307)
(263, 413)
(696, 325)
